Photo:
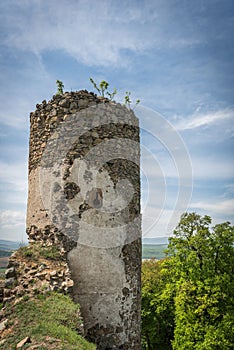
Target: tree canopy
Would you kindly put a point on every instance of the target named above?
(191, 296)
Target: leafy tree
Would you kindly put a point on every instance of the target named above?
(202, 261)
(188, 298)
(157, 307)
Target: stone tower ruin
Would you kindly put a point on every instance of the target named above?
(84, 196)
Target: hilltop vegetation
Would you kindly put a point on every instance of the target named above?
(50, 321)
(188, 298)
(36, 308)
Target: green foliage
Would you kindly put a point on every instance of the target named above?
(157, 307)
(50, 252)
(95, 85)
(36, 250)
(203, 263)
(52, 315)
(111, 95)
(190, 294)
(60, 87)
(102, 89)
(103, 86)
(128, 101)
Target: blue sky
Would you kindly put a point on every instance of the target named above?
(176, 56)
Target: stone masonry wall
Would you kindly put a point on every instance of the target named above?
(84, 197)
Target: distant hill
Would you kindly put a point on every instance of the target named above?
(155, 240)
(6, 249)
(154, 247)
(153, 251)
(9, 245)
(12, 245)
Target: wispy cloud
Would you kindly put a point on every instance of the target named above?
(206, 119)
(93, 33)
(223, 207)
(68, 27)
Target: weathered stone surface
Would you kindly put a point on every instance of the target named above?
(10, 272)
(94, 218)
(9, 283)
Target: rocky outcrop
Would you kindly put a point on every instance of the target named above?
(35, 269)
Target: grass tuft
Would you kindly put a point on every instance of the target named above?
(37, 250)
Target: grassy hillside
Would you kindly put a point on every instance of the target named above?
(51, 321)
(47, 319)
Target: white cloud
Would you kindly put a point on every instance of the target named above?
(206, 119)
(223, 207)
(12, 219)
(159, 222)
(94, 33)
(90, 32)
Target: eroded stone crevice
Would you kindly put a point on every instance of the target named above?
(50, 235)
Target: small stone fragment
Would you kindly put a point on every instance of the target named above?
(23, 342)
(10, 272)
(3, 325)
(53, 273)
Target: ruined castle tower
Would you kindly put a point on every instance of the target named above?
(84, 195)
